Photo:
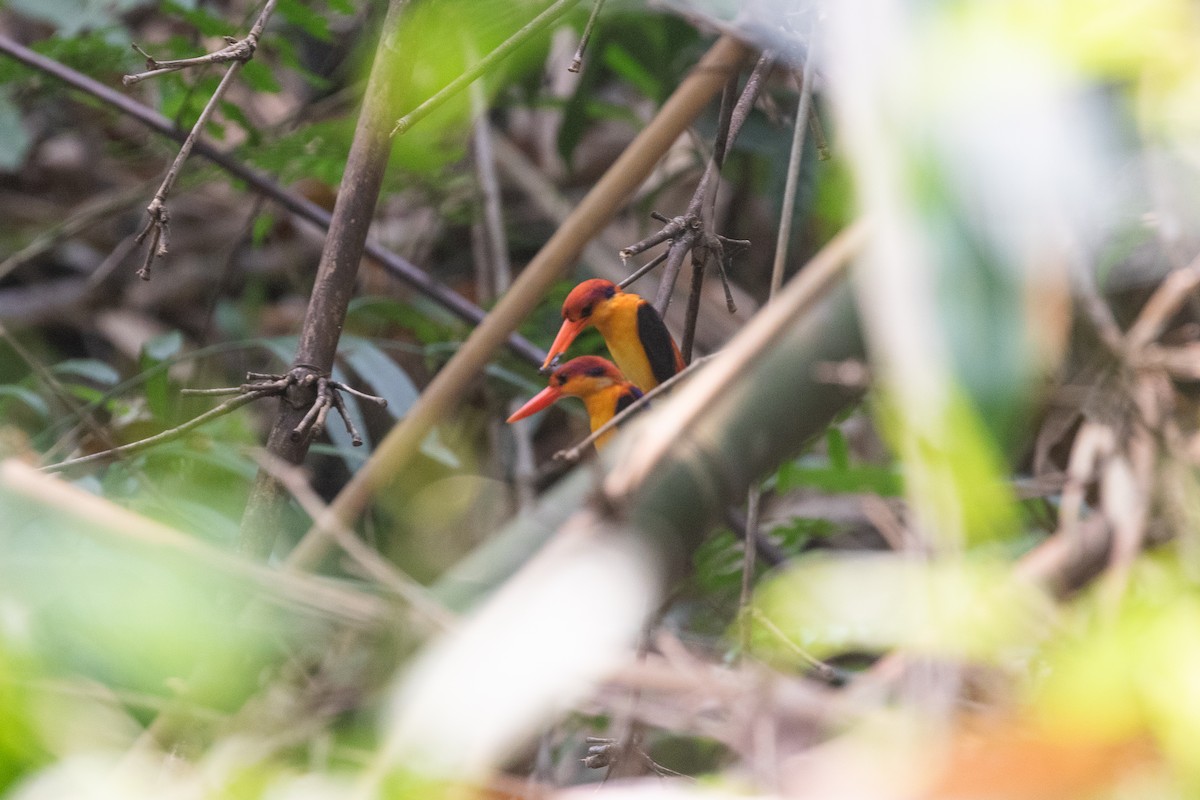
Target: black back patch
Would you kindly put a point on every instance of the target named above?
(626, 399)
(660, 348)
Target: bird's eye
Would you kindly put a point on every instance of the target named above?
(561, 379)
(587, 311)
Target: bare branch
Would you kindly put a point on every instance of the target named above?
(577, 61)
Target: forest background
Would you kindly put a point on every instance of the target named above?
(919, 520)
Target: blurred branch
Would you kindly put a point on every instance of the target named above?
(590, 591)
(593, 212)
(814, 329)
(303, 208)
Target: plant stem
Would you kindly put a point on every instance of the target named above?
(335, 281)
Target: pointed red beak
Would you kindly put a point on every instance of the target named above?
(566, 335)
(543, 399)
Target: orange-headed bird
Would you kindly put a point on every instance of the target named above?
(597, 381)
(634, 332)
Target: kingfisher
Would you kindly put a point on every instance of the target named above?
(596, 381)
(634, 332)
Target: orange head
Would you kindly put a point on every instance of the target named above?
(577, 312)
(579, 377)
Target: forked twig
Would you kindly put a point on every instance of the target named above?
(158, 227)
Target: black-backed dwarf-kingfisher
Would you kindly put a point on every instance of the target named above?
(596, 381)
(634, 332)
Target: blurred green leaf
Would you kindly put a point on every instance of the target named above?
(886, 481)
(379, 374)
(28, 397)
(14, 139)
(826, 605)
(89, 369)
(156, 351)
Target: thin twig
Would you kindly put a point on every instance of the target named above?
(577, 61)
(642, 270)
(749, 551)
(169, 435)
(793, 170)
(542, 20)
(825, 671)
(158, 226)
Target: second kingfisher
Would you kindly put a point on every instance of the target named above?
(601, 386)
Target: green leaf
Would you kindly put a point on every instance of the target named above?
(853, 480)
(625, 64)
(380, 374)
(828, 605)
(305, 18)
(28, 397)
(88, 369)
(14, 139)
(154, 352)
(258, 76)
(839, 451)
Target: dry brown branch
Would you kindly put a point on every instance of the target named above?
(694, 228)
(334, 285)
